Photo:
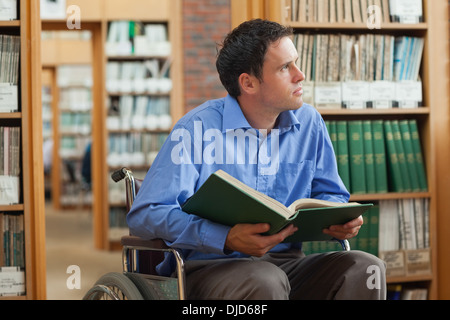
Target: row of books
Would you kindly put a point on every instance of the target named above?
(79, 75)
(11, 240)
(404, 224)
(134, 149)
(358, 71)
(75, 123)
(389, 226)
(139, 112)
(149, 76)
(136, 38)
(402, 292)
(73, 146)
(379, 156)
(9, 72)
(361, 57)
(9, 151)
(355, 11)
(77, 99)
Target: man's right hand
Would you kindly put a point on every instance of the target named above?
(248, 238)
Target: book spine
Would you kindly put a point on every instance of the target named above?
(379, 150)
(418, 155)
(356, 152)
(369, 157)
(395, 181)
(401, 155)
(409, 155)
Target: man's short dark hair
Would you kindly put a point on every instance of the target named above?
(243, 51)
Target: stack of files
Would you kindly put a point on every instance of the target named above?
(340, 11)
(360, 71)
(11, 240)
(125, 38)
(9, 72)
(354, 11)
(379, 156)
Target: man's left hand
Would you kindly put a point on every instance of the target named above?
(345, 231)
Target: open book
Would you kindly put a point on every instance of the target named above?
(224, 199)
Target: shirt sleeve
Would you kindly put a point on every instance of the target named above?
(327, 184)
(157, 213)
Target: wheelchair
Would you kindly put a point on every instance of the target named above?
(139, 279)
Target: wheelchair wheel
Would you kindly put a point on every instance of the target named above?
(113, 286)
(145, 288)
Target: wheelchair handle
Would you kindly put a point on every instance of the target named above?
(120, 174)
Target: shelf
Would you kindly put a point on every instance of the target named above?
(11, 115)
(377, 112)
(389, 196)
(415, 278)
(11, 207)
(359, 26)
(10, 24)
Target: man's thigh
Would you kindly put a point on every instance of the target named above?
(236, 279)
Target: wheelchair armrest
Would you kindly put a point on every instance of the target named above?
(133, 241)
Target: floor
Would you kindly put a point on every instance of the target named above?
(73, 264)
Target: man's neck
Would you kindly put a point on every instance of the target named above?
(257, 116)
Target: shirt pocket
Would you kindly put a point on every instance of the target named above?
(293, 181)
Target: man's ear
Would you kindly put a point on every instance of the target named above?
(248, 83)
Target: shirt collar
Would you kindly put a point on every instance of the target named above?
(233, 118)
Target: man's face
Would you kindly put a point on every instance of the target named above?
(281, 88)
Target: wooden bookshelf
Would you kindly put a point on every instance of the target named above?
(96, 18)
(29, 120)
(434, 125)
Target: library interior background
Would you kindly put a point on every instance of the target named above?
(118, 74)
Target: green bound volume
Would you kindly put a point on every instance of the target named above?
(395, 181)
(356, 153)
(224, 199)
(401, 155)
(369, 157)
(342, 153)
(409, 155)
(379, 151)
(418, 155)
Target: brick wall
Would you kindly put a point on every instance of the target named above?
(205, 23)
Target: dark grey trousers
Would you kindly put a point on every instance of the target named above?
(346, 275)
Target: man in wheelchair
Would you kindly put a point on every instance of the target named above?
(264, 135)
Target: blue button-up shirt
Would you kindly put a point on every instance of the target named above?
(295, 160)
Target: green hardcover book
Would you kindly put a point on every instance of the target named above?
(395, 182)
(374, 224)
(381, 180)
(418, 155)
(342, 153)
(226, 200)
(409, 155)
(356, 156)
(331, 127)
(401, 155)
(369, 157)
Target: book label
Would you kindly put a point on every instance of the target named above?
(328, 94)
(409, 93)
(382, 94)
(355, 94)
(8, 97)
(12, 281)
